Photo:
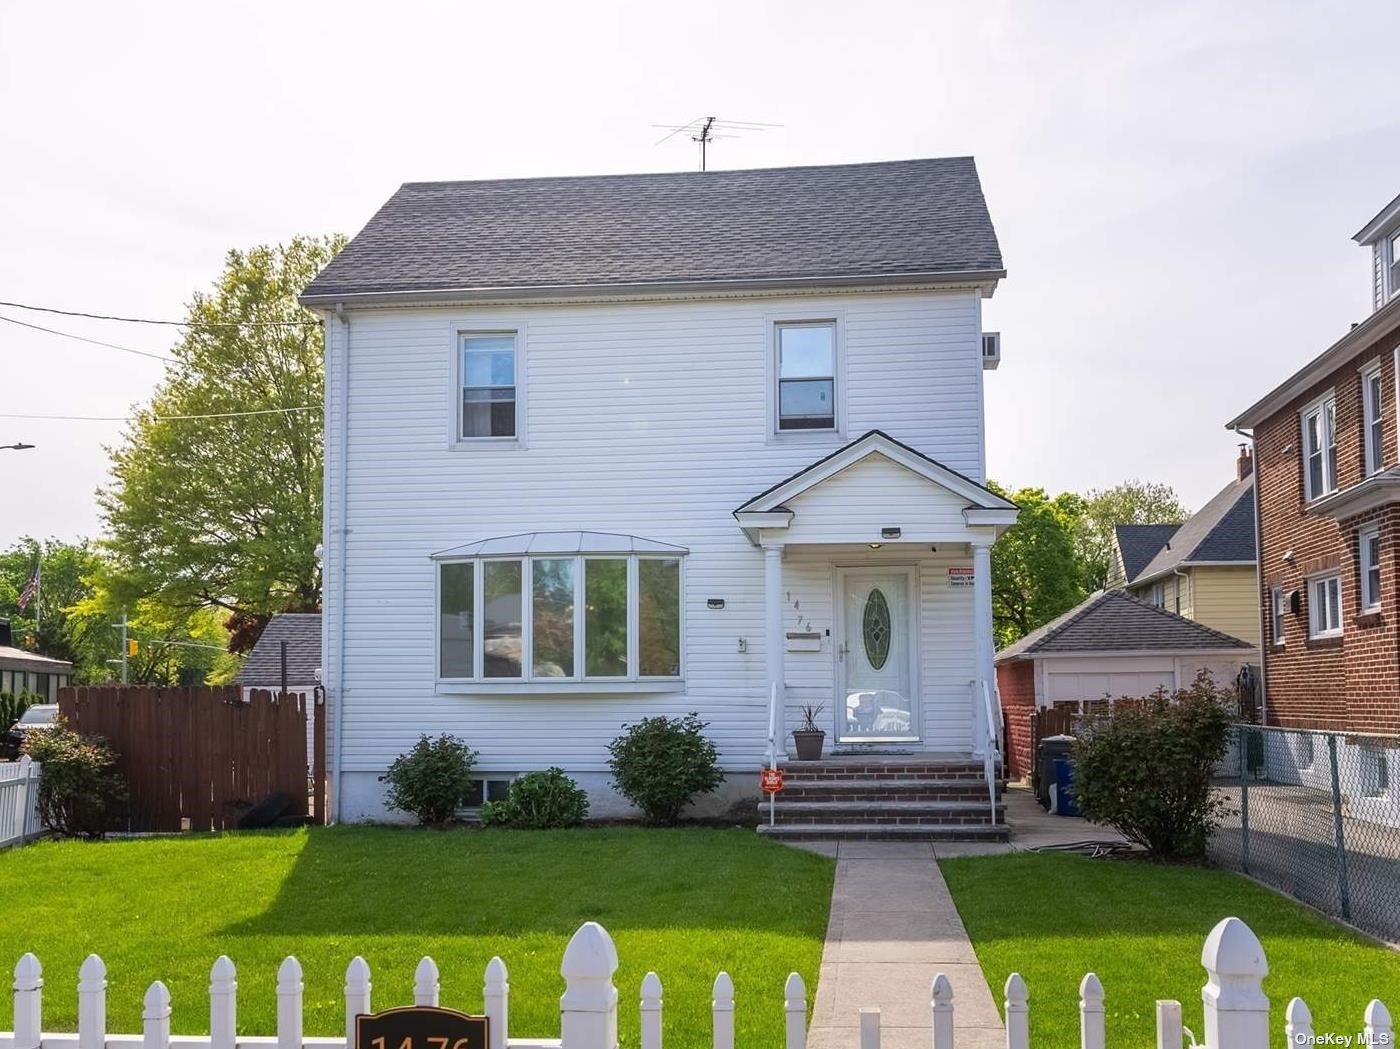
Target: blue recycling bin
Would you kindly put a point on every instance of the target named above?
(1064, 788)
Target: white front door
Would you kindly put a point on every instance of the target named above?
(877, 686)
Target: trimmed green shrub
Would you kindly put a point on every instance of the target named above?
(1145, 768)
(12, 706)
(660, 764)
(539, 801)
(432, 780)
(80, 793)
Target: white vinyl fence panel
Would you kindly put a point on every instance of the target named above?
(19, 801)
(1236, 1013)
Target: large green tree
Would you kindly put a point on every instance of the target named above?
(225, 513)
(1132, 502)
(1036, 571)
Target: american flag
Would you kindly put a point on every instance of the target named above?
(30, 589)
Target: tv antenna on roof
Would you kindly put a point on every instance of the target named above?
(704, 130)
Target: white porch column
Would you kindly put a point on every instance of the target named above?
(773, 639)
(981, 638)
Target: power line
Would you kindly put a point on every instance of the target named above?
(161, 418)
(94, 342)
(172, 324)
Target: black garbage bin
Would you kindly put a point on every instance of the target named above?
(1051, 747)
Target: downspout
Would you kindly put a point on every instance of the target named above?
(343, 396)
(1265, 638)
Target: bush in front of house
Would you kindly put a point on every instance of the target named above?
(1145, 768)
(539, 801)
(432, 780)
(660, 764)
(80, 793)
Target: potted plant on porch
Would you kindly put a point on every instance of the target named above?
(810, 737)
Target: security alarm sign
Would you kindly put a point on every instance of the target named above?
(959, 576)
(770, 781)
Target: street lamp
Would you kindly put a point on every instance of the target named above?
(18, 446)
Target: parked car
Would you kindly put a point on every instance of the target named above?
(39, 718)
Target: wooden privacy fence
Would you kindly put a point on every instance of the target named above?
(1236, 1011)
(19, 797)
(200, 758)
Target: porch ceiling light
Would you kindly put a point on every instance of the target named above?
(890, 533)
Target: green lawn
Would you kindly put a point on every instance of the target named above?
(685, 902)
(1140, 927)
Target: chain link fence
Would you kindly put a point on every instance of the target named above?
(1317, 815)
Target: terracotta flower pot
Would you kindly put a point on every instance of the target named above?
(809, 744)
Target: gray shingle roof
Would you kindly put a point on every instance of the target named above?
(263, 667)
(899, 218)
(1221, 531)
(1115, 621)
(1138, 544)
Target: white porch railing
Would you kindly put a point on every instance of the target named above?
(1235, 1009)
(19, 801)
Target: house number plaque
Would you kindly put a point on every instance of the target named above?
(420, 1027)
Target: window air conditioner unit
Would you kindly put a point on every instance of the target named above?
(991, 350)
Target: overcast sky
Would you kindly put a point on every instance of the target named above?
(1174, 185)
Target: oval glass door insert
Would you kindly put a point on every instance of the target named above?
(875, 629)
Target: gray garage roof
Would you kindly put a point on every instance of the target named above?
(263, 667)
(1221, 532)
(839, 224)
(1115, 621)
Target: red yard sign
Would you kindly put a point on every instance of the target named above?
(770, 781)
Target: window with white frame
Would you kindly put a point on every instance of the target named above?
(488, 377)
(1371, 405)
(1320, 449)
(1276, 607)
(603, 617)
(1369, 542)
(1159, 595)
(1325, 606)
(806, 371)
(1393, 262)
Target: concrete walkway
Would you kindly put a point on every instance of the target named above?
(893, 926)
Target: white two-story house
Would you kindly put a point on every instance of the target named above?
(607, 447)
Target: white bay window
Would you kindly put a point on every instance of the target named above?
(609, 617)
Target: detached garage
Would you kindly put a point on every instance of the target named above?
(1110, 646)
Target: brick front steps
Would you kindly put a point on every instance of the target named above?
(903, 797)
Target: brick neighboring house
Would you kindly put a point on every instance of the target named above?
(1328, 483)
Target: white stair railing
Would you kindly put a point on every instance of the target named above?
(991, 751)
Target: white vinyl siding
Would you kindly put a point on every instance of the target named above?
(647, 419)
(1325, 606)
(1319, 457)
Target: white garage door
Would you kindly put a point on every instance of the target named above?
(1061, 686)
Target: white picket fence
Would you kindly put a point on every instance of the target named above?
(1235, 1007)
(19, 801)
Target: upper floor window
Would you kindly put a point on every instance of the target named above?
(806, 375)
(1325, 606)
(1371, 405)
(1320, 449)
(488, 375)
(1369, 542)
(1276, 614)
(609, 617)
(1392, 262)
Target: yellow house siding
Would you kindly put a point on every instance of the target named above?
(1227, 599)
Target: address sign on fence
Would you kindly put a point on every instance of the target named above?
(421, 1027)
